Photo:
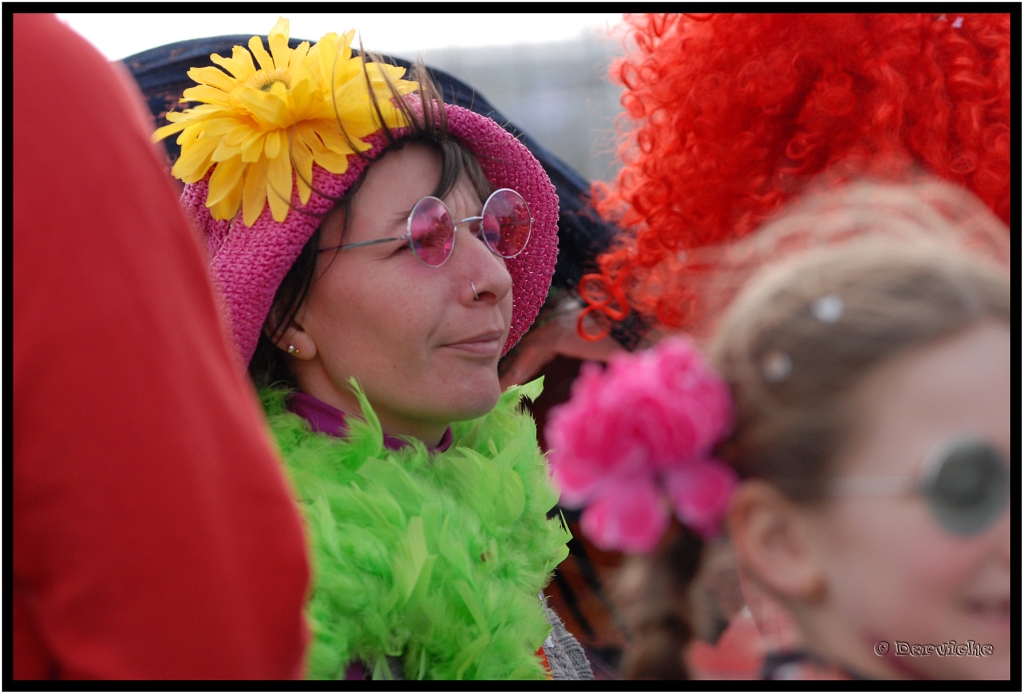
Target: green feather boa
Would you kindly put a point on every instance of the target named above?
(438, 558)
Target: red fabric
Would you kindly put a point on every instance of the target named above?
(154, 534)
(729, 116)
(544, 661)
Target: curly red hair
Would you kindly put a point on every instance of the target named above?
(728, 116)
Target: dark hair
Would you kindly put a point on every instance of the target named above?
(898, 289)
(269, 364)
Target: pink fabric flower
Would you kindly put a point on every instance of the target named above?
(630, 516)
(700, 493)
(590, 441)
(650, 417)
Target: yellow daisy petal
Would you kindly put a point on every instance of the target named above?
(228, 207)
(349, 104)
(272, 147)
(170, 129)
(224, 179)
(335, 141)
(333, 56)
(392, 116)
(254, 192)
(346, 43)
(262, 57)
(213, 77)
(267, 108)
(332, 160)
(230, 65)
(237, 134)
(196, 159)
(302, 161)
(305, 92)
(348, 68)
(189, 135)
(219, 127)
(225, 151)
(207, 94)
(202, 112)
(252, 147)
(279, 186)
(240, 63)
(299, 55)
(242, 110)
(335, 162)
(278, 40)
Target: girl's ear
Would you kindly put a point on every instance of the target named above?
(293, 340)
(773, 544)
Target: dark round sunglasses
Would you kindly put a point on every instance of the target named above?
(966, 482)
(504, 225)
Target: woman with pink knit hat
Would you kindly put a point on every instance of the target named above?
(377, 252)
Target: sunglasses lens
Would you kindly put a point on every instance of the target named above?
(431, 231)
(506, 223)
(970, 487)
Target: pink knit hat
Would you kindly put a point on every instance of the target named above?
(249, 263)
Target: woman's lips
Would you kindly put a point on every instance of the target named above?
(486, 345)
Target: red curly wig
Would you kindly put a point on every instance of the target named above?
(728, 116)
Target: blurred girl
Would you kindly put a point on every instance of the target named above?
(868, 420)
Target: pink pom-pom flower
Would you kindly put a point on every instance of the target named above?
(634, 442)
(630, 516)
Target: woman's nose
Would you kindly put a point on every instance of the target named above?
(484, 274)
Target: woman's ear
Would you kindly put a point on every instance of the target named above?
(293, 340)
(771, 535)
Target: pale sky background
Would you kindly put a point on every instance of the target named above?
(403, 35)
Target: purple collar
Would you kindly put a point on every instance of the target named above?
(330, 420)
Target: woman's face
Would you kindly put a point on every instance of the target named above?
(892, 572)
(420, 343)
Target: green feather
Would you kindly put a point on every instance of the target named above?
(434, 558)
(468, 654)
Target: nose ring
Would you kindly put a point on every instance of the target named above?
(475, 295)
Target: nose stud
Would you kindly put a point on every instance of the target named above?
(475, 295)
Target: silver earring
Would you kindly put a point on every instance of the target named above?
(475, 295)
(292, 350)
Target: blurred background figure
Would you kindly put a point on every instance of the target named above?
(867, 355)
(153, 533)
(726, 117)
(890, 332)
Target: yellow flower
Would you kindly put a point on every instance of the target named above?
(255, 123)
